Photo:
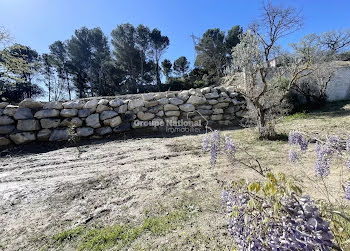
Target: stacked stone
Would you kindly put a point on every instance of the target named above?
(32, 120)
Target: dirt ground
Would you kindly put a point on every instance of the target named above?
(44, 191)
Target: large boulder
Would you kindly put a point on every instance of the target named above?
(30, 103)
(93, 121)
(145, 115)
(10, 110)
(85, 131)
(44, 135)
(70, 122)
(76, 104)
(115, 121)
(4, 141)
(176, 101)
(22, 137)
(101, 108)
(135, 103)
(196, 100)
(83, 113)
(23, 113)
(6, 120)
(67, 113)
(163, 101)
(205, 90)
(28, 125)
(122, 108)
(116, 102)
(7, 129)
(104, 131)
(108, 115)
(148, 96)
(53, 105)
(49, 113)
(59, 135)
(103, 101)
(170, 107)
(151, 103)
(91, 104)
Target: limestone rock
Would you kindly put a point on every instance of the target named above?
(160, 113)
(216, 117)
(183, 97)
(172, 113)
(93, 121)
(76, 104)
(28, 125)
(224, 99)
(108, 115)
(145, 116)
(49, 113)
(232, 109)
(159, 96)
(128, 116)
(151, 103)
(115, 121)
(218, 111)
(85, 131)
(101, 108)
(53, 105)
(212, 101)
(194, 92)
(123, 108)
(135, 103)
(10, 110)
(163, 101)
(23, 113)
(176, 101)
(7, 129)
(30, 103)
(170, 95)
(103, 102)
(221, 105)
(205, 107)
(91, 104)
(70, 122)
(187, 107)
(104, 131)
(170, 107)
(156, 109)
(116, 102)
(83, 113)
(59, 135)
(147, 96)
(196, 100)
(67, 113)
(22, 137)
(4, 141)
(50, 123)
(6, 120)
(44, 134)
(205, 90)
(212, 95)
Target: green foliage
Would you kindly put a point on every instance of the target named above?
(120, 236)
(295, 116)
(181, 66)
(166, 67)
(68, 235)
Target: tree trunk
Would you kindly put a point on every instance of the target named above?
(157, 74)
(68, 86)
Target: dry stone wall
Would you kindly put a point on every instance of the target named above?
(54, 121)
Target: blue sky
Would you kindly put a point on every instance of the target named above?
(38, 23)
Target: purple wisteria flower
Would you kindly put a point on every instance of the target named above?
(323, 152)
(296, 138)
(215, 147)
(293, 156)
(230, 148)
(347, 191)
(205, 142)
(335, 142)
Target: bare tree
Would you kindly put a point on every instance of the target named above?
(253, 56)
(335, 41)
